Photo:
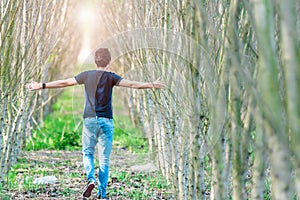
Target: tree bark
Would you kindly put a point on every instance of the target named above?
(291, 62)
(271, 105)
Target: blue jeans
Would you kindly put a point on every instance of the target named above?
(97, 130)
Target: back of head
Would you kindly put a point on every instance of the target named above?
(102, 57)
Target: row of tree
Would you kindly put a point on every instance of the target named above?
(228, 123)
(37, 42)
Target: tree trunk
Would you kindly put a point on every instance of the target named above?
(260, 160)
(291, 62)
(271, 105)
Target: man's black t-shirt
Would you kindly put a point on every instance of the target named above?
(98, 92)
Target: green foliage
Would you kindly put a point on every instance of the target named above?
(125, 134)
(4, 196)
(267, 192)
(62, 128)
(138, 185)
(55, 134)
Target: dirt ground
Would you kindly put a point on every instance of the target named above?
(130, 175)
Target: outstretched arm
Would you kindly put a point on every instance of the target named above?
(54, 84)
(141, 85)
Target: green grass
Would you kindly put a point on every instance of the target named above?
(125, 184)
(62, 128)
(129, 137)
(4, 196)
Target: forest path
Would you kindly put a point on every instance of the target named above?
(133, 176)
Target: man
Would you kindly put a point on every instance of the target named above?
(98, 124)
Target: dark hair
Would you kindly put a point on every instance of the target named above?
(102, 57)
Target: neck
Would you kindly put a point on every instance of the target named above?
(102, 68)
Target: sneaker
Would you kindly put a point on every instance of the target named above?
(88, 189)
(99, 197)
